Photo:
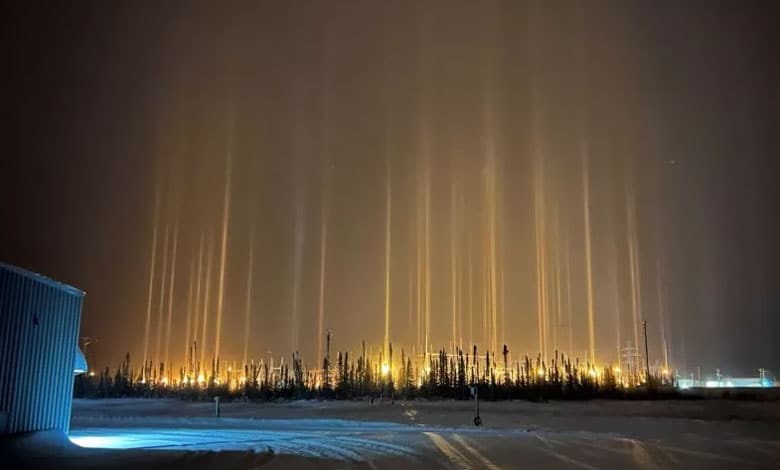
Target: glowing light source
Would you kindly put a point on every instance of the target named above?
(201, 379)
(540, 372)
(385, 369)
(616, 370)
(100, 442)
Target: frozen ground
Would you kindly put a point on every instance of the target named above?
(308, 434)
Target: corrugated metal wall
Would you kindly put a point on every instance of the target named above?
(39, 328)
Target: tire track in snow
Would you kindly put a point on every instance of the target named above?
(639, 453)
(377, 447)
(587, 443)
(484, 460)
(706, 455)
(453, 454)
(548, 449)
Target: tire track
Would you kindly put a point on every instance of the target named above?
(484, 460)
(453, 454)
(549, 449)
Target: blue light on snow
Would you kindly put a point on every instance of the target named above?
(311, 442)
(103, 442)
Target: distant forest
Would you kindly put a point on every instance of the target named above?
(445, 376)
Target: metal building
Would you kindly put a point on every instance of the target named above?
(39, 328)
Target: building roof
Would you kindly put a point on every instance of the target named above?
(42, 279)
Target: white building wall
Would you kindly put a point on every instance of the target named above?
(39, 328)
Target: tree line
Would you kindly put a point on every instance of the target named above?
(444, 375)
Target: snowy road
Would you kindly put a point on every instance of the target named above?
(380, 446)
(150, 434)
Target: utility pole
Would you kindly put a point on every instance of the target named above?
(327, 346)
(647, 357)
(86, 341)
(475, 392)
(506, 366)
(326, 364)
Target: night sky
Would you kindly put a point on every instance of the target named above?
(126, 119)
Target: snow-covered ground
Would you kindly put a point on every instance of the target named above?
(419, 434)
